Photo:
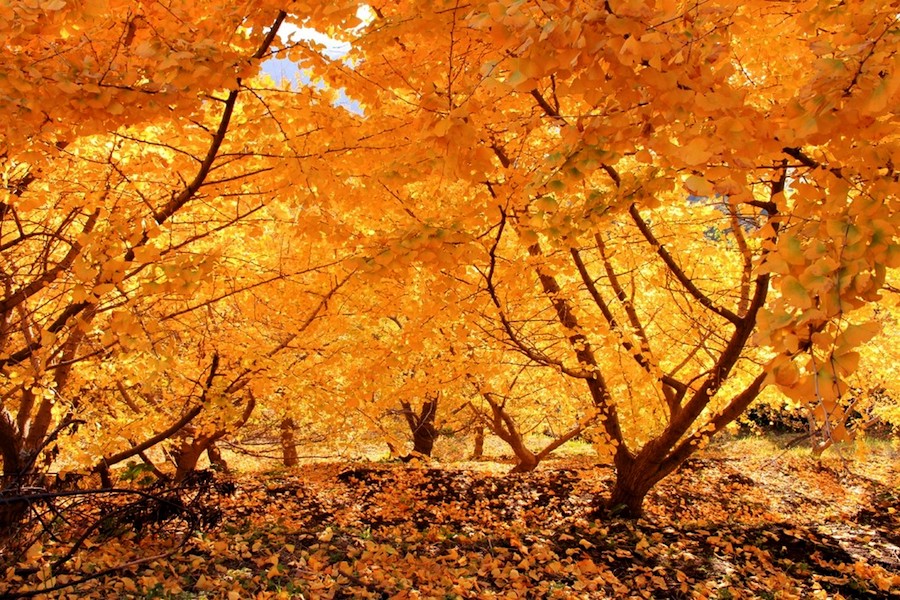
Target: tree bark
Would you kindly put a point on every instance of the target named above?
(422, 426)
(528, 461)
(189, 452)
(503, 426)
(188, 455)
(13, 513)
(216, 461)
(10, 448)
(633, 480)
(478, 452)
(288, 446)
(627, 498)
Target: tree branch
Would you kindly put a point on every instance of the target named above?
(107, 462)
(532, 353)
(676, 270)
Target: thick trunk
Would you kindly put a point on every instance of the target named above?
(528, 461)
(424, 432)
(288, 446)
(10, 514)
(628, 493)
(423, 439)
(635, 476)
(187, 456)
(10, 449)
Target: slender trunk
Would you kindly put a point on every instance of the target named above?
(503, 426)
(105, 476)
(216, 461)
(42, 418)
(189, 452)
(153, 468)
(288, 446)
(478, 452)
(820, 444)
(527, 460)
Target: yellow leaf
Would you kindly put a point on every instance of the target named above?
(696, 152)
(82, 270)
(845, 364)
(840, 433)
(856, 334)
(794, 293)
(787, 374)
(327, 535)
(146, 254)
(205, 584)
(587, 566)
(103, 288)
(699, 186)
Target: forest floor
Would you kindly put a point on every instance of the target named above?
(733, 523)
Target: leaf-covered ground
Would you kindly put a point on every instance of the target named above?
(722, 527)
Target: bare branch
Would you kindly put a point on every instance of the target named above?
(677, 271)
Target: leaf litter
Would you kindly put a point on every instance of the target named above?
(718, 528)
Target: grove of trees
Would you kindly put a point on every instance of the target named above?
(623, 220)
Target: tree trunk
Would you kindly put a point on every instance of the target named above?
(635, 476)
(216, 461)
(10, 449)
(528, 460)
(478, 452)
(628, 493)
(820, 445)
(288, 446)
(503, 426)
(424, 436)
(189, 452)
(10, 514)
(422, 426)
(188, 455)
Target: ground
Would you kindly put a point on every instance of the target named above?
(733, 523)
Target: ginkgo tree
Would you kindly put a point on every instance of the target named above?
(560, 123)
(666, 205)
(135, 138)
